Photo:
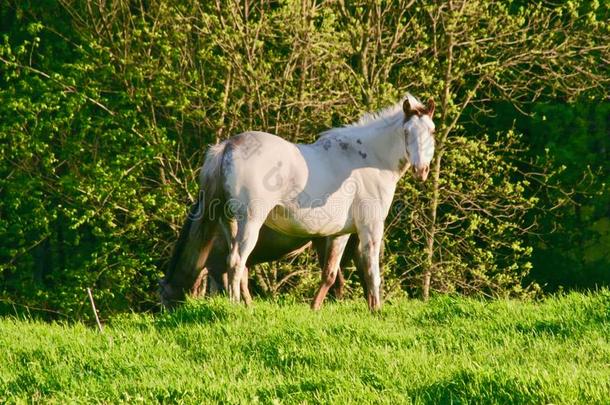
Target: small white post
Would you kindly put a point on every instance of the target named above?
(97, 319)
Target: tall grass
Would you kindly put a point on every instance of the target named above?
(448, 350)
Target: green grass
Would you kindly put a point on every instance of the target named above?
(448, 350)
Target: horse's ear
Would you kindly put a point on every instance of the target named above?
(408, 110)
(430, 107)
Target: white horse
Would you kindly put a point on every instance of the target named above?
(343, 183)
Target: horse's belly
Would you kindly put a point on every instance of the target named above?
(318, 221)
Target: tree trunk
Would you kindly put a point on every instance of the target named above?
(431, 231)
(429, 264)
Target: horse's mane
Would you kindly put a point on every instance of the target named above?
(387, 116)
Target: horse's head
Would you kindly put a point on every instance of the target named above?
(419, 135)
(178, 277)
(170, 295)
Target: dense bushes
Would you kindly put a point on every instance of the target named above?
(106, 109)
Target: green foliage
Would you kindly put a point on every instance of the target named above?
(572, 249)
(483, 213)
(576, 253)
(76, 203)
(106, 108)
(448, 350)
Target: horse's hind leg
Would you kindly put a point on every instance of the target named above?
(338, 287)
(244, 234)
(332, 256)
(245, 292)
(319, 245)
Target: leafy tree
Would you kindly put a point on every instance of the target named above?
(493, 50)
(106, 108)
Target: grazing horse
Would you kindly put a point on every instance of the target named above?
(270, 246)
(341, 184)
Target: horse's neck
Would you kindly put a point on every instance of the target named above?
(388, 148)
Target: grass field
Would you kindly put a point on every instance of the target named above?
(448, 350)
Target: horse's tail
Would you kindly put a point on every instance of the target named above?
(197, 234)
(211, 179)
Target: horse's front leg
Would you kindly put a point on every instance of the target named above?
(349, 255)
(369, 250)
(200, 285)
(217, 281)
(332, 257)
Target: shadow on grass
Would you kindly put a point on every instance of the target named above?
(287, 348)
(296, 392)
(550, 328)
(446, 309)
(198, 312)
(470, 387)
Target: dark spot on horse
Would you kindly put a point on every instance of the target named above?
(362, 154)
(326, 144)
(236, 140)
(359, 142)
(343, 145)
(247, 144)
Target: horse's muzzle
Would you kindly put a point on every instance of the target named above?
(169, 297)
(421, 172)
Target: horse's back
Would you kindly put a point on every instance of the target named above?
(262, 163)
(253, 144)
(298, 189)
